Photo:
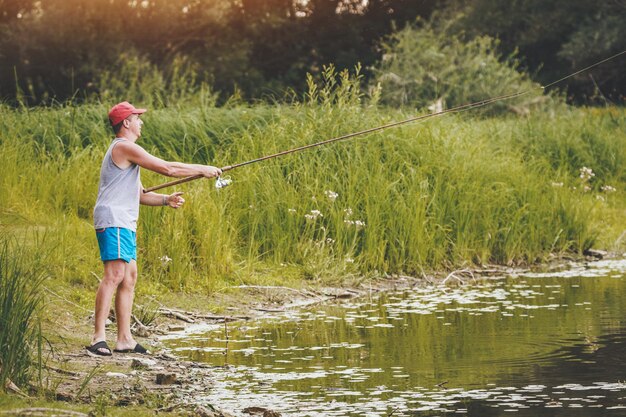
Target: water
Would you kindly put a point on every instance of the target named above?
(544, 344)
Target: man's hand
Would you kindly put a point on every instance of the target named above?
(211, 171)
(175, 200)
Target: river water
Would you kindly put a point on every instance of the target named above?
(530, 344)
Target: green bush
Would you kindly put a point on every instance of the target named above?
(428, 65)
(137, 80)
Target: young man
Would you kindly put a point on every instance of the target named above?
(115, 218)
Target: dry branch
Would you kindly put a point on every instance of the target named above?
(176, 315)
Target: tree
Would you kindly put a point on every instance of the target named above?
(556, 37)
(11, 10)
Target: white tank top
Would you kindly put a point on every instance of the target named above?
(119, 190)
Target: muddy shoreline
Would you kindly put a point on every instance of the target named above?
(161, 382)
(164, 383)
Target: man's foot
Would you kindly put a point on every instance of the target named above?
(137, 349)
(100, 348)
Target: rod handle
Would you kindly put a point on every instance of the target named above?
(181, 181)
(171, 183)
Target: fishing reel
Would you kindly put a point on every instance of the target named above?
(222, 182)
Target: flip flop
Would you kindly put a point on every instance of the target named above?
(137, 349)
(95, 348)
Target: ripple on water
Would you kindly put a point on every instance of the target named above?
(559, 331)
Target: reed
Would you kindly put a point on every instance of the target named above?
(452, 191)
(20, 301)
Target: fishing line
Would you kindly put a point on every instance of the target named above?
(584, 69)
(223, 182)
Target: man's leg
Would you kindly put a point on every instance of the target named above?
(124, 307)
(113, 275)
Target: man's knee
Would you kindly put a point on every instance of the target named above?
(114, 272)
(131, 275)
(131, 279)
(114, 277)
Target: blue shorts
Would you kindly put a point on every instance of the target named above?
(117, 243)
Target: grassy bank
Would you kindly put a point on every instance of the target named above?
(439, 194)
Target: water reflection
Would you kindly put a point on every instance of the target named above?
(533, 344)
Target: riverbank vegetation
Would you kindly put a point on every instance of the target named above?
(443, 193)
(21, 275)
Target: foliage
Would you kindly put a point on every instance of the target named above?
(136, 79)
(444, 193)
(57, 50)
(557, 38)
(54, 50)
(20, 300)
(428, 65)
(567, 152)
(147, 313)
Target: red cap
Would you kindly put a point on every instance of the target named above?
(121, 111)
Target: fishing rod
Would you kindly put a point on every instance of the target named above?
(223, 182)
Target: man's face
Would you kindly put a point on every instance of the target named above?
(135, 124)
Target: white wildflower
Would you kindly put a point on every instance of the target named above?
(330, 241)
(314, 214)
(291, 210)
(600, 197)
(331, 195)
(608, 189)
(357, 223)
(348, 212)
(586, 188)
(165, 260)
(586, 173)
(349, 260)
(557, 184)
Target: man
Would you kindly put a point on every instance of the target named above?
(115, 218)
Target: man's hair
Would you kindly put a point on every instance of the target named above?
(117, 127)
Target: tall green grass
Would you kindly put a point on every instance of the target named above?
(20, 300)
(444, 193)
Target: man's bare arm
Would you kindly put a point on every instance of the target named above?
(174, 200)
(134, 153)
